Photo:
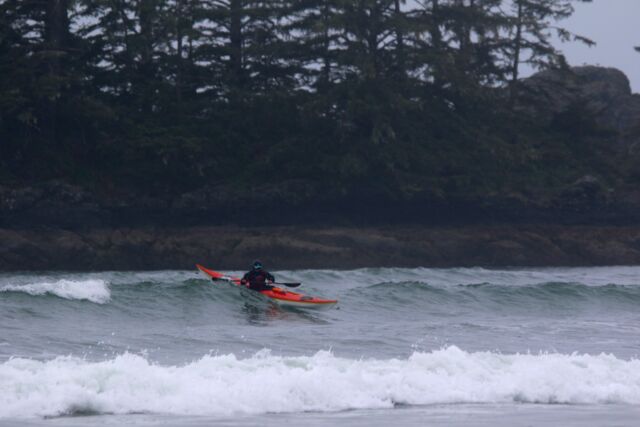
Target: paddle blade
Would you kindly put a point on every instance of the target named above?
(290, 285)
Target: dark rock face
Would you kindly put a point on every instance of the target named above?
(603, 93)
(52, 202)
(586, 192)
(62, 206)
(295, 247)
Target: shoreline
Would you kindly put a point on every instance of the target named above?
(318, 247)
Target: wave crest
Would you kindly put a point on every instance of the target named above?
(94, 290)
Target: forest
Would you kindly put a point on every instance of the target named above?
(367, 100)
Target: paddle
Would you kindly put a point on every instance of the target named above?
(291, 285)
(229, 279)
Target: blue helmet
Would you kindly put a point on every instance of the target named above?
(257, 265)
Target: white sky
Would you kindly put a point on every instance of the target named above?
(615, 26)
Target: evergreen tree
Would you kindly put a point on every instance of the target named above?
(248, 34)
(459, 45)
(315, 27)
(381, 93)
(130, 37)
(530, 28)
(42, 81)
(186, 57)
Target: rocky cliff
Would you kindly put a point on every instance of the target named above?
(603, 93)
(318, 247)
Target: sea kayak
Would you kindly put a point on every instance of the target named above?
(280, 296)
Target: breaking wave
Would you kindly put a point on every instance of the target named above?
(94, 290)
(264, 383)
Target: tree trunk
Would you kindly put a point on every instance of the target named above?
(57, 25)
(371, 31)
(235, 39)
(326, 45)
(56, 44)
(145, 71)
(515, 65)
(436, 43)
(179, 19)
(468, 26)
(462, 30)
(399, 40)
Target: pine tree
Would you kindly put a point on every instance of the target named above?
(40, 76)
(458, 44)
(530, 28)
(315, 29)
(185, 57)
(249, 36)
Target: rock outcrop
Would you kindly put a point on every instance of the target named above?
(319, 247)
(603, 93)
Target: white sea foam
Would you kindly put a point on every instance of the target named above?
(94, 290)
(224, 385)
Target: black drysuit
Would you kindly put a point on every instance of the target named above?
(257, 280)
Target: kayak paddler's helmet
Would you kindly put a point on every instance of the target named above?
(257, 265)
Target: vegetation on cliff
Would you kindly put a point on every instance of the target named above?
(368, 100)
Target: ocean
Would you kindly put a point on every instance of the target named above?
(428, 347)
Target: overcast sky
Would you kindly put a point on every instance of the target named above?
(615, 26)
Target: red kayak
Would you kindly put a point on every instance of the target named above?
(280, 296)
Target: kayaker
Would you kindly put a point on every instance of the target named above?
(256, 279)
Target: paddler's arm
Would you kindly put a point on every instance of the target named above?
(245, 279)
(270, 277)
